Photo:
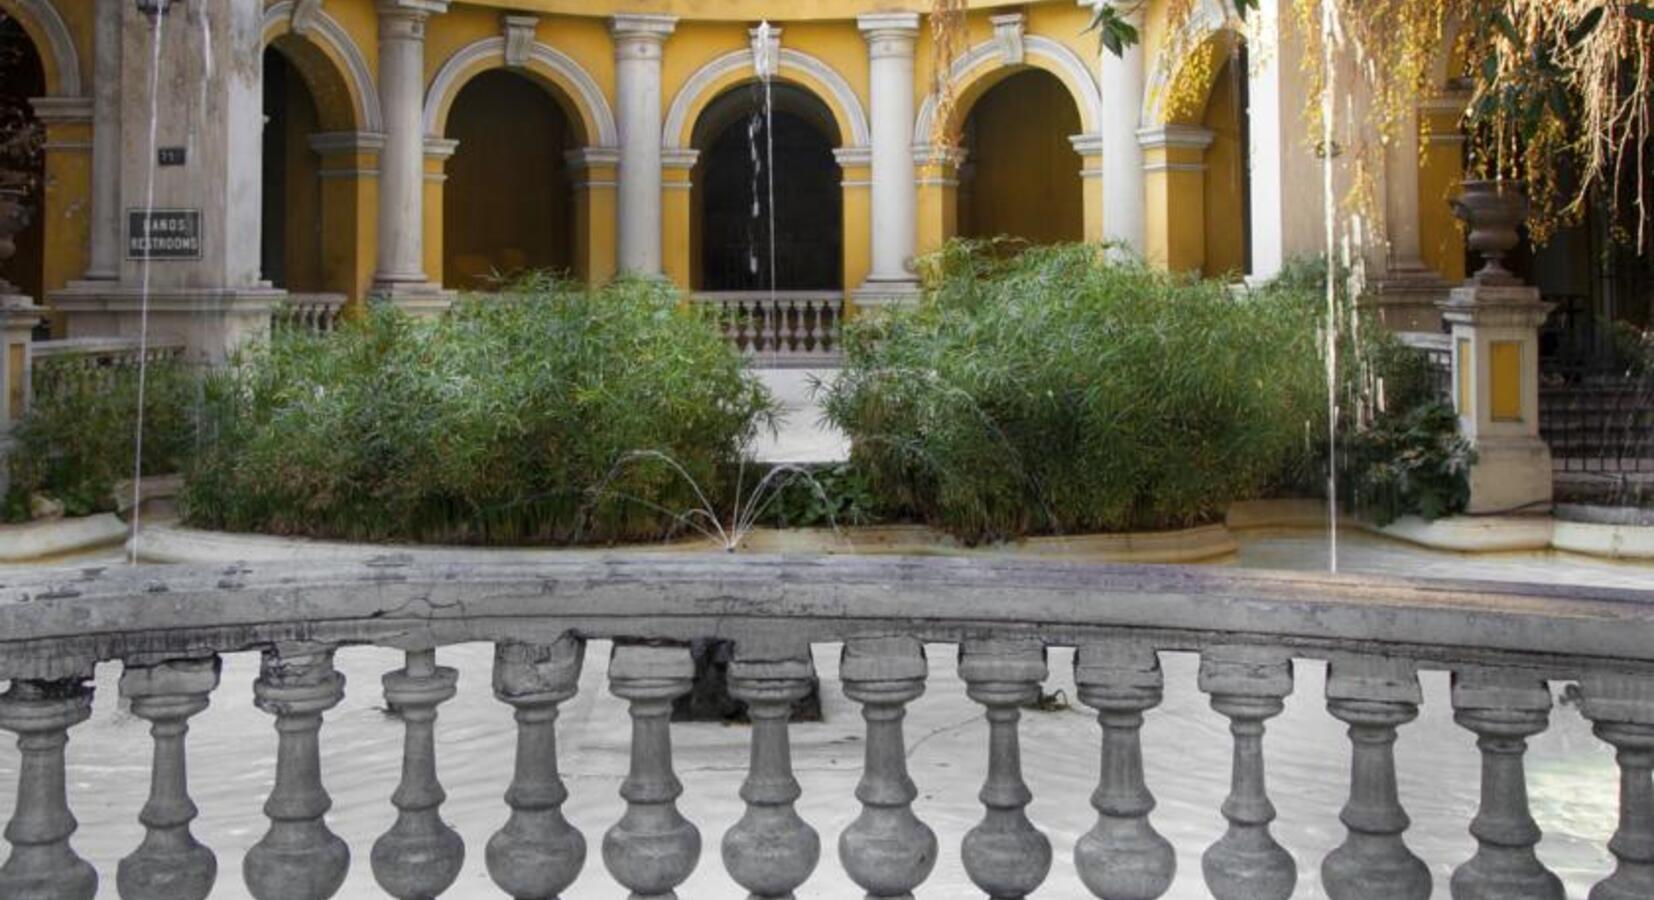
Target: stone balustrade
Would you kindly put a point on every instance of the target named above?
(785, 329)
(168, 626)
(94, 362)
(317, 313)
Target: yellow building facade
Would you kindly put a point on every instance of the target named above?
(413, 147)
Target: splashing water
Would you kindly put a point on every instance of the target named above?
(157, 20)
(747, 508)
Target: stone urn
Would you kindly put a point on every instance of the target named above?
(14, 217)
(1492, 210)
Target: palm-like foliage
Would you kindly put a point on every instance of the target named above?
(1057, 393)
(496, 423)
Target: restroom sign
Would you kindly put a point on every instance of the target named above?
(163, 234)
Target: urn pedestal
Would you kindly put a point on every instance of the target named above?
(1495, 321)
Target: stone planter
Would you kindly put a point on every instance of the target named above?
(1492, 211)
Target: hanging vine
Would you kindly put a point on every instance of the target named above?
(949, 34)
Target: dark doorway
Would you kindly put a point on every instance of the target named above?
(290, 247)
(732, 193)
(1022, 177)
(507, 206)
(22, 159)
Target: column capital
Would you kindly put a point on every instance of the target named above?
(336, 143)
(410, 9)
(889, 33)
(62, 109)
(439, 148)
(585, 158)
(1089, 143)
(639, 28)
(1191, 137)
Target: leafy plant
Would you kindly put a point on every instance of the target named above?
(1411, 462)
(77, 438)
(1053, 392)
(505, 421)
(839, 494)
(22, 139)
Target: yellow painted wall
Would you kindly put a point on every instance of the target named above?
(1441, 236)
(1187, 214)
(1225, 182)
(1026, 173)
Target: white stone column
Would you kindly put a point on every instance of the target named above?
(1122, 94)
(1401, 200)
(890, 39)
(400, 273)
(105, 264)
(1266, 121)
(1407, 295)
(638, 41)
(196, 277)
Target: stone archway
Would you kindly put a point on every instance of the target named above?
(1196, 140)
(512, 206)
(1012, 53)
(591, 138)
(1020, 176)
(23, 78)
(316, 194)
(730, 204)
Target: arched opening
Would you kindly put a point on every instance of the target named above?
(22, 159)
(1021, 176)
(1228, 170)
(732, 216)
(507, 204)
(290, 250)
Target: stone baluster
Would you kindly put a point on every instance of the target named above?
(1504, 708)
(298, 858)
(1373, 696)
(1004, 855)
(771, 851)
(169, 864)
(653, 848)
(886, 850)
(1122, 857)
(789, 326)
(42, 864)
(1247, 685)
(538, 854)
(1621, 710)
(419, 857)
(745, 333)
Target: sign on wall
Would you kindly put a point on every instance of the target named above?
(163, 234)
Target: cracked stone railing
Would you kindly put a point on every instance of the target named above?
(168, 625)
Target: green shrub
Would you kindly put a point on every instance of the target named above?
(1052, 392)
(1410, 461)
(77, 439)
(513, 419)
(822, 496)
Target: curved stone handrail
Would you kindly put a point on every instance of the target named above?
(168, 624)
(47, 621)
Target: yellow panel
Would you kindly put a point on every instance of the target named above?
(1462, 355)
(1505, 371)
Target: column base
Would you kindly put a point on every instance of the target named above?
(211, 322)
(879, 293)
(1511, 475)
(416, 298)
(1408, 299)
